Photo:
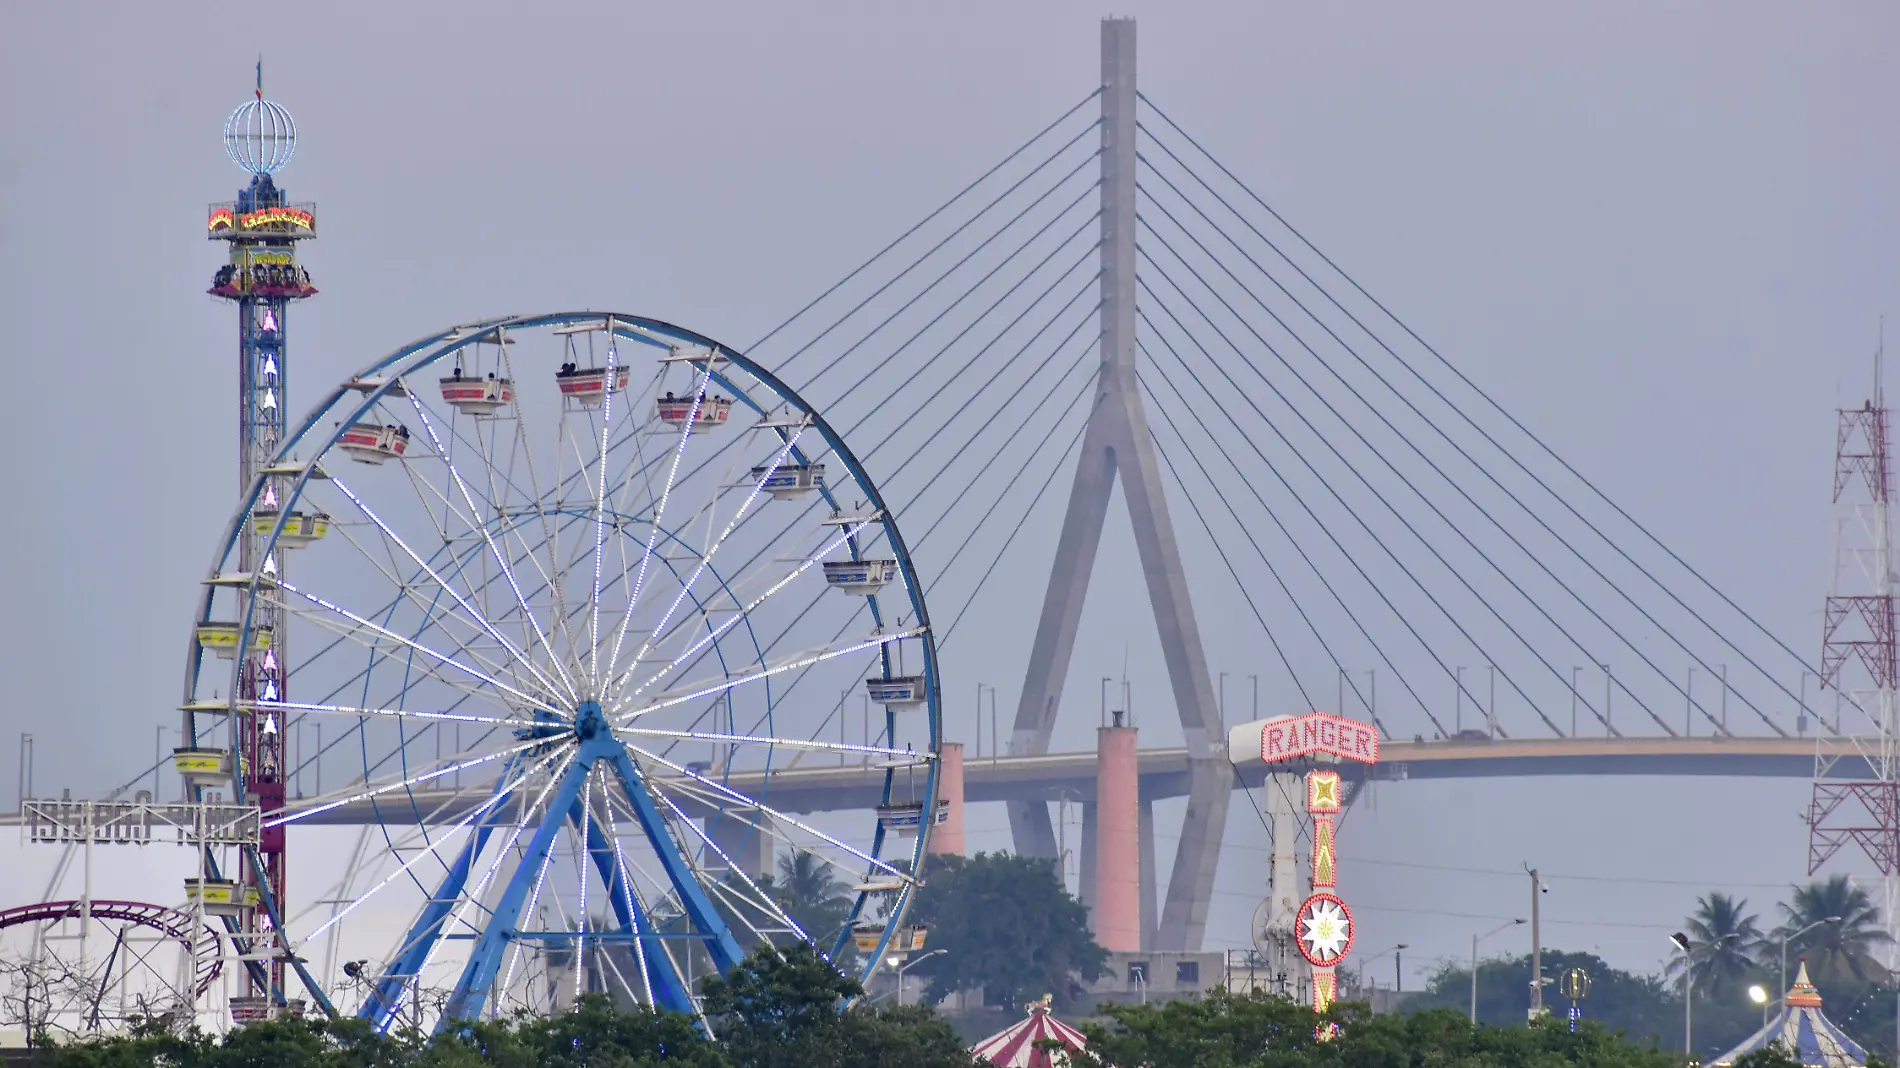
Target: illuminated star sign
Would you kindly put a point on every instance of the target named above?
(1322, 791)
(1325, 930)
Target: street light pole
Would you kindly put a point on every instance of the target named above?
(1537, 947)
(904, 966)
(1475, 939)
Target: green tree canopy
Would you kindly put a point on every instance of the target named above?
(1261, 1031)
(1837, 953)
(1007, 924)
(1725, 940)
(786, 1010)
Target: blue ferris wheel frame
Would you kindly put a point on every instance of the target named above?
(595, 747)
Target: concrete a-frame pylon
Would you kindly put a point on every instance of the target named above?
(1117, 441)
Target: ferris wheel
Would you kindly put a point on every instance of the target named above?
(564, 612)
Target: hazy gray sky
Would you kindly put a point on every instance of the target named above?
(1663, 234)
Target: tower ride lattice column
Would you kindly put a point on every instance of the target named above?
(262, 278)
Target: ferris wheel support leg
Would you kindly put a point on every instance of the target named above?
(669, 990)
(380, 1007)
(478, 975)
(723, 948)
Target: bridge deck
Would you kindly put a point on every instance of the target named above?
(1164, 772)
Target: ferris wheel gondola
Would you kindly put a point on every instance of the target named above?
(574, 648)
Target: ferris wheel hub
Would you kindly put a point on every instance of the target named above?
(589, 720)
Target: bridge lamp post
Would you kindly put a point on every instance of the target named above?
(1574, 672)
(1784, 952)
(1688, 705)
(1458, 699)
(1607, 729)
(1475, 939)
(1724, 668)
(1255, 679)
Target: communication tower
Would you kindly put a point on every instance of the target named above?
(1856, 797)
(261, 228)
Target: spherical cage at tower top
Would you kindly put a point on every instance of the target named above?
(260, 136)
(574, 615)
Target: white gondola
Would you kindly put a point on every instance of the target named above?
(589, 385)
(890, 885)
(372, 444)
(676, 412)
(222, 639)
(300, 529)
(203, 767)
(902, 691)
(904, 817)
(860, 577)
(789, 481)
(478, 396)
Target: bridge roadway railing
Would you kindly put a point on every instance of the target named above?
(1164, 773)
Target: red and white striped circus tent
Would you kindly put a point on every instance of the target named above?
(1021, 1046)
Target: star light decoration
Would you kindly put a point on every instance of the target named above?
(1325, 930)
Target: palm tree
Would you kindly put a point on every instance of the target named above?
(1725, 941)
(1835, 951)
(815, 897)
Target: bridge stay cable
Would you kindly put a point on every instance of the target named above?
(1456, 528)
(1187, 445)
(1450, 617)
(1542, 483)
(1535, 558)
(925, 221)
(1194, 506)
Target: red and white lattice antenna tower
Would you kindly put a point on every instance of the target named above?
(1856, 797)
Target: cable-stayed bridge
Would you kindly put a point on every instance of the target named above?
(1308, 479)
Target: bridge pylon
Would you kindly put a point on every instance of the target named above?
(1117, 442)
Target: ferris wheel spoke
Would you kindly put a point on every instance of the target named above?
(805, 565)
(659, 510)
(769, 742)
(296, 811)
(500, 795)
(362, 625)
(471, 898)
(550, 541)
(500, 558)
(706, 557)
(403, 713)
(454, 594)
(600, 518)
(694, 692)
(625, 507)
(762, 898)
(701, 788)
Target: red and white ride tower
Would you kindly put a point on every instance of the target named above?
(261, 228)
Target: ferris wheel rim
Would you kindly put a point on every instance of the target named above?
(432, 349)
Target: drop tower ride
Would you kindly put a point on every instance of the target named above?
(261, 229)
